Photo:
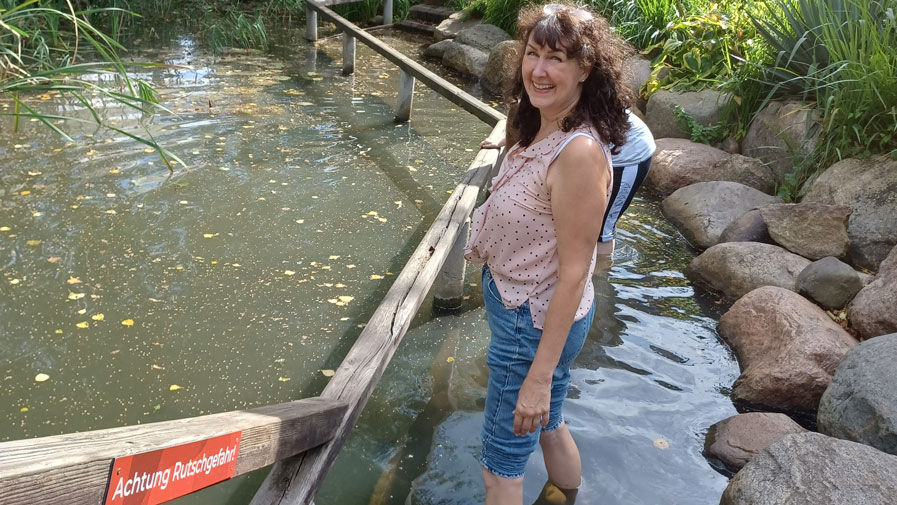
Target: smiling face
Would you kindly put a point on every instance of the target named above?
(552, 80)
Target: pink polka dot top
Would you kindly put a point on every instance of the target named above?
(513, 231)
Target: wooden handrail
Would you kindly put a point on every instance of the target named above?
(454, 94)
(295, 480)
(73, 469)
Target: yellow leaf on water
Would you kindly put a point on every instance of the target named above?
(98, 317)
(25, 193)
(350, 266)
(289, 272)
(111, 212)
(372, 213)
(381, 219)
(82, 324)
(327, 373)
(5, 228)
(128, 322)
(333, 257)
(209, 235)
(54, 259)
(23, 409)
(41, 377)
(74, 280)
(149, 150)
(75, 296)
(376, 277)
(283, 379)
(82, 311)
(300, 221)
(14, 281)
(346, 299)
(174, 387)
(58, 331)
(339, 285)
(33, 242)
(450, 359)
(156, 367)
(114, 171)
(661, 444)
(37, 214)
(34, 173)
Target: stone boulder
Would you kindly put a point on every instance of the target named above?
(813, 230)
(861, 402)
(465, 59)
(703, 210)
(776, 130)
(750, 227)
(482, 36)
(813, 469)
(748, 171)
(829, 282)
(437, 50)
(680, 162)
(704, 106)
(734, 441)
(451, 26)
(500, 66)
(870, 187)
(735, 268)
(788, 349)
(637, 73)
(873, 311)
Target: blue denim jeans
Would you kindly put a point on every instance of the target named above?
(511, 351)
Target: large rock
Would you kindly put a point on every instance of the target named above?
(735, 268)
(703, 210)
(870, 187)
(813, 230)
(873, 311)
(450, 27)
(829, 282)
(861, 402)
(750, 227)
(500, 66)
(638, 72)
(734, 441)
(748, 171)
(788, 349)
(465, 59)
(680, 162)
(812, 469)
(437, 50)
(704, 106)
(776, 131)
(482, 36)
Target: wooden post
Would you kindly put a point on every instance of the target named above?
(406, 96)
(387, 12)
(450, 283)
(348, 53)
(311, 25)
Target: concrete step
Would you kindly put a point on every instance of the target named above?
(429, 13)
(416, 26)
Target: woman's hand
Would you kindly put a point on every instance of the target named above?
(533, 404)
(488, 144)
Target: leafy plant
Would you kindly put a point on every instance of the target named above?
(697, 131)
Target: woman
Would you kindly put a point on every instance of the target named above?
(537, 236)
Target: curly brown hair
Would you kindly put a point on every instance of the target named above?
(589, 39)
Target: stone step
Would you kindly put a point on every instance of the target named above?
(416, 26)
(429, 13)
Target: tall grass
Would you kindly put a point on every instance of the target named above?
(44, 50)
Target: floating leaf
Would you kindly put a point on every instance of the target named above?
(376, 277)
(33, 242)
(54, 259)
(333, 257)
(73, 280)
(25, 193)
(174, 387)
(209, 235)
(283, 379)
(661, 444)
(300, 221)
(450, 359)
(23, 409)
(289, 272)
(128, 322)
(58, 331)
(82, 324)
(75, 296)
(346, 299)
(5, 228)
(111, 212)
(156, 367)
(327, 373)
(37, 214)
(14, 281)
(372, 213)
(98, 317)
(41, 377)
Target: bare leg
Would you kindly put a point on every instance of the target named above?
(561, 458)
(502, 491)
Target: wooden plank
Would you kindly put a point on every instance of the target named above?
(457, 96)
(295, 481)
(405, 96)
(74, 468)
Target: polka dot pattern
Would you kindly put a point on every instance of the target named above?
(514, 233)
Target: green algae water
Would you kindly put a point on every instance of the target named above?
(137, 295)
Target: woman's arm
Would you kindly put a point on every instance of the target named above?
(577, 182)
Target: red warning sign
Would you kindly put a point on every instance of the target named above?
(159, 476)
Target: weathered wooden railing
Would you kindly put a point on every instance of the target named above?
(78, 468)
(301, 438)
